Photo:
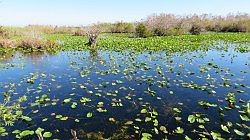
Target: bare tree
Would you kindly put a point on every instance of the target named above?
(92, 32)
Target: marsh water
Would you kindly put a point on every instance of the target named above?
(108, 94)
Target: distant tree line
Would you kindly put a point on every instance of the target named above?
(162, 25)
(169, 24)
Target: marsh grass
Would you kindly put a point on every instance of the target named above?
(7, 43)
(25, 38)
(3, 32)
(36, 43)
(32, 39)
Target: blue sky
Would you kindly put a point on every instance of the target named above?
(84, 12)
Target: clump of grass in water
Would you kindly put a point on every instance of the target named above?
(7, 43)
(35, 40)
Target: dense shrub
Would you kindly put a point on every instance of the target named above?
(119, 27)
(165, 24)
(168, 32)
(169, 24)
(142, 31)
(50, 43)
(79, 32)
(31, 43)
(233, 27)
(195, 29)
(35, 40)
(36, 43)
(104, 27)
(122, 27)
(159, 32)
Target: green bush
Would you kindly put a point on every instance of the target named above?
(233, 27)
(142, 31)
(122, 27)
(159, 32)
(169, 32)
(176, 31)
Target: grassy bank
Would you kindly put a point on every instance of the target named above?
(31, 40)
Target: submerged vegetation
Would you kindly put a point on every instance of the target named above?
(150, 80)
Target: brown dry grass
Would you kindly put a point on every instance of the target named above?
(7, 43)
(25, 38)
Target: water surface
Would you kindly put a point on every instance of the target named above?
(119, 85)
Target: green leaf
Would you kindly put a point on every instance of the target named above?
(147, 119)
(179, 130)
(178, 118)
(39, 130)
(74, 104)
(244, 117)
(201, 126)
(2, 129)
(44, 120)
(84, 100)
(59, 116)
(143, 111)
(224, 128)
(19, 113)
(177, 110)
(26, 118)
(14, 132)
(129, 122)
(191, 118)
(66, 100)
(76, 120)
(187, 138)
(215, 135)
(64, 118)
(47, 134)
(26, 133)
(239, 132)
(146, 136)
(138, 120)
(89, 115)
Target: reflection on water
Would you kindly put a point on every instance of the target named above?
(6, 57)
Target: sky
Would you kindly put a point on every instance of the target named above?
(85, 12)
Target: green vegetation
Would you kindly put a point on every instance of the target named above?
(119, 42)
(163, 78)
(195, 29)
(142, 31)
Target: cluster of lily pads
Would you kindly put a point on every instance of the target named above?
(130, 88)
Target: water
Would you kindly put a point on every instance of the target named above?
(120, 85)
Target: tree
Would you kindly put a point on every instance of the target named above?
(93, 33)
(142, 31)
(195, 29)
